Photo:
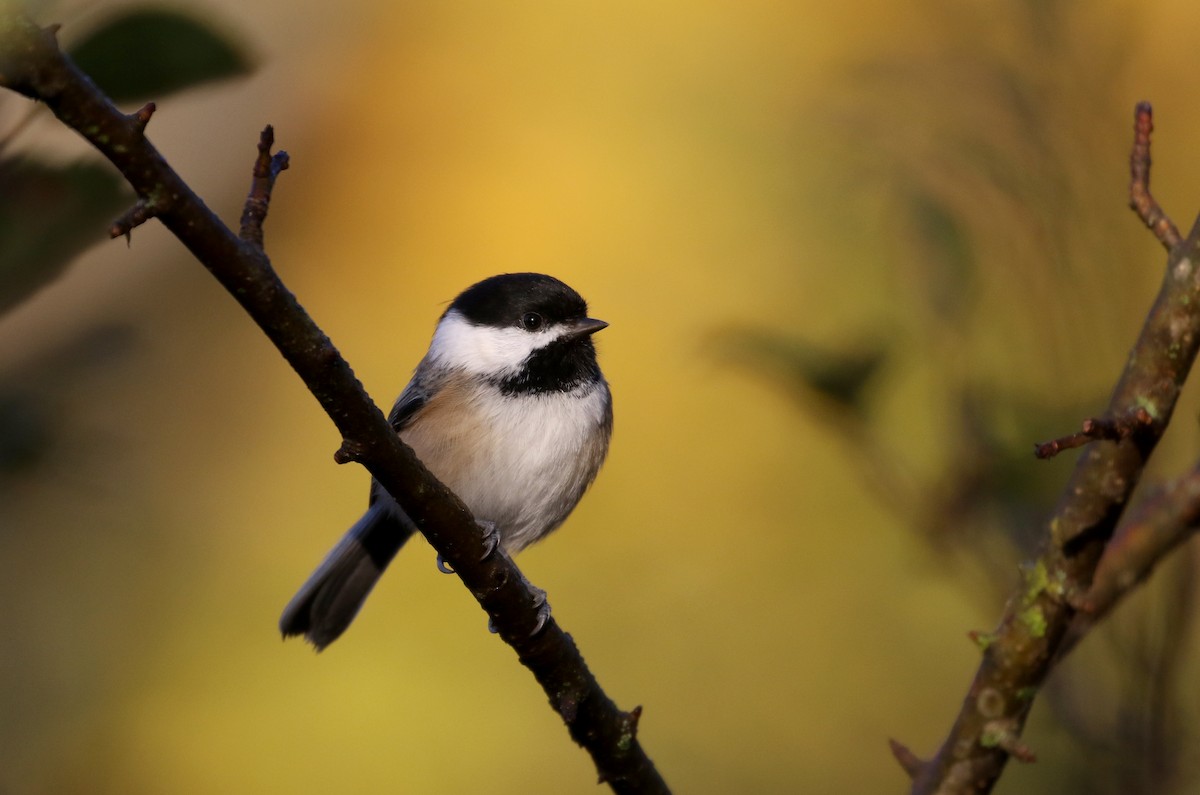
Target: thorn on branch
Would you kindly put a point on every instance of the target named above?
(349, 452)
(134, 217)
(1140, 200)
(1003, 734)
(1113, 430)
(266, 169)
(142, 117)
(632, 718)
(629, 723)
(911, 763)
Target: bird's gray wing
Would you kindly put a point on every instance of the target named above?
(421, 388)
(415, 396)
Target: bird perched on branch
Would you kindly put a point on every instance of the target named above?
(508, 408)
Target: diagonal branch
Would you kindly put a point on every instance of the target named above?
(1157, 527)
(32, 64)
(1040, 614)
(1140, 200)
(1112, 429)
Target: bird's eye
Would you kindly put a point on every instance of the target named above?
(531, 321)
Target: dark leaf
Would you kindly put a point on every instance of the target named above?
(35, 396)
(48, 215)
(24, 432)
(149, 52)
(943, 248)
(839, 377)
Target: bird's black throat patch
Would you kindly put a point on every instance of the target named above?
(560, 366)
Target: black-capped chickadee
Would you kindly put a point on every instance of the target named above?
(508, 408)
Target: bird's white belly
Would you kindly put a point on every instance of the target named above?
(521, 462)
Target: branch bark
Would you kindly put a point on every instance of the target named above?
(1040, 620)
(1154, 529)
(32, 64)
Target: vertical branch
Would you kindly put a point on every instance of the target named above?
(266, 169)
(1140, 200)
(1036, 623)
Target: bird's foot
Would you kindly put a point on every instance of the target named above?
(543, 609)
(491, 542)
(540, 604)
(491, 538)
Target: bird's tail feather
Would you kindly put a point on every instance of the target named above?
(325, 605)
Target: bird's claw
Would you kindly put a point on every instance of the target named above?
(540, 603)
(543, 612)
(491, 538)
(491, 542)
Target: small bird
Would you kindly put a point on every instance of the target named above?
(508, 408)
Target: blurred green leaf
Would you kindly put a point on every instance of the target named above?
(841, 377)
(149, 52)
(50, 214)
(24, 432)
(943, 246)
(33, 417)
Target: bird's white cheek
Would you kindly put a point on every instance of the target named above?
(482, 350)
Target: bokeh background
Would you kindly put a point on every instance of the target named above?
(857, 257)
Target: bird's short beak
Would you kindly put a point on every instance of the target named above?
(586, 327)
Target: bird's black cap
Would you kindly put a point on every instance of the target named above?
(503, 300)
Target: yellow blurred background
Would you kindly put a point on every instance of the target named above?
(691, 168)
